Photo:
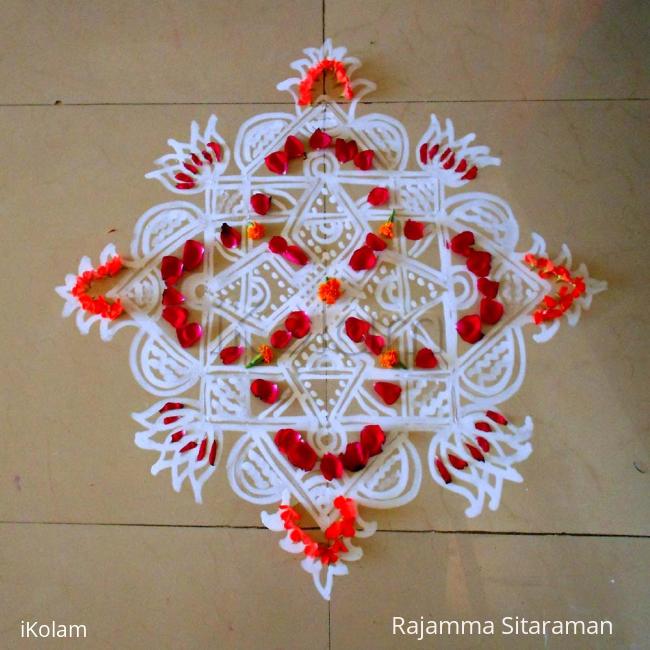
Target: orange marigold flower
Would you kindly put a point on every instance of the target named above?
(386, 230)
(266, 352)
(388, 359)
(330, 291)
(255, 230)
(264, 355)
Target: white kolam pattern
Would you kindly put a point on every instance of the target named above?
(325, 379)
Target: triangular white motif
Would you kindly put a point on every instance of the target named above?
(413, 297)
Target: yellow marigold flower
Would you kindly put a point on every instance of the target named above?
(266, 353)
(388, 359)
(255, 230)
(330, 291)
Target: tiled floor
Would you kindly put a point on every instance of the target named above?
(89, 94)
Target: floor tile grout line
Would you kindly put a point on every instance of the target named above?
(367, 102)
(426, 531)
(422, 531)
(329, 623)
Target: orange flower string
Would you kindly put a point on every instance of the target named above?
(330, 291)
(255, 230)
(553, 307)
(315, 71)
(326, 553)
(387, 229)
(100, 306)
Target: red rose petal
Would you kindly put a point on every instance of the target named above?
(450, 162)
(171, 269)
(363, 259)
(287, 438)
(212, 457)
(469, 328)
(462, 243)
(372, 439)
(331, 467)
(278, 244)
(193, 253)
(176, 316)
(184, 178)
(216, 149)
(355, 457)
(443, 471)
(345, 151)
(423, 153)
(260, 203)
(231, 354)
(476, 454)
(353, 150)
(202, 450)
(320, 139)
(298, 323)
(189, 334)
(456, 462)
(483, 443)
(356, 328)
(483, 426)
(375, 343)
(413, 230)
(470, 175)
(363, 160)
(280, 339)
(277, 162)
(491, 311)
(295, 255)
(479, 263)
(293, 147)
(230, 237)
(341, 150)
(387, 391)
(376, 243)
(489, 288)
(302, 456)
(172, 296)
(265, 390)
(425, 358)
(171, 406)
(496, 417)
(378, 196)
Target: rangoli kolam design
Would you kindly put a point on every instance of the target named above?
(322, 304)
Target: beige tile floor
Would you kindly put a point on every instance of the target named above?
(560, 92)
